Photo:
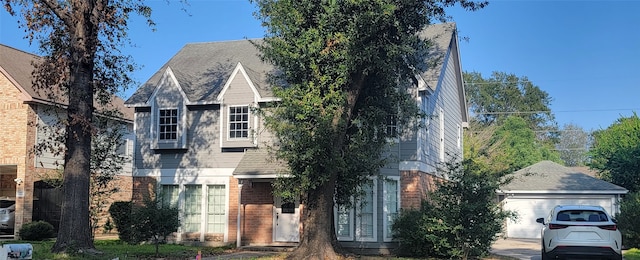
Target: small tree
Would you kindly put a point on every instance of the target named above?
(155, 221)
(461, 218)
(137, 223)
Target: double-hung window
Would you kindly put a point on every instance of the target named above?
(239, 122)
(168, 125)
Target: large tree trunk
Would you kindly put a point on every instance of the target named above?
(75, 228)
(318, 239)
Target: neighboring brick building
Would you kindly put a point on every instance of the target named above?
(198, 142)
(22, 111)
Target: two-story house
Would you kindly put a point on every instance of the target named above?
(200, 146)
(28, 116)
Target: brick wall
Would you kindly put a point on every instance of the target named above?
(16, 138)
(125, 191)
(143, 187)
(257, 213)
(415, 187)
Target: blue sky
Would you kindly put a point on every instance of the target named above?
(585, 54)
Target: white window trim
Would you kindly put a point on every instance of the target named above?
(442, 136)
(386, 235)
(157, 124)
(154, 131)
(459, 140)
(358, 235)
(226, 206)
(351, 224)
(228, 124)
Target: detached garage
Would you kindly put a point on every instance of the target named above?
(536, 189)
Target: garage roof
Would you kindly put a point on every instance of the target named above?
(550, 177)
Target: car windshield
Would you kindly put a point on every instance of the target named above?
(582, 215)
(6, 203)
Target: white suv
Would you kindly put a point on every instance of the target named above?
(580, 231)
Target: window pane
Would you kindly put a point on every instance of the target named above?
(239, 122)
(192, 208)
(216, 209)
(170, 195)
(366, 213)
(343, 225)
(168, 124)
(391, 206)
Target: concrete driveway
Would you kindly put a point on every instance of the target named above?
(519, 248)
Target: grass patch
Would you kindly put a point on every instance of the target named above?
(632, 254)
(110, 249)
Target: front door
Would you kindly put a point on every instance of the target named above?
(286, 220)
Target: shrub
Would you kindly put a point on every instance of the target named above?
(421, 233)
(154, 221)
(121, 213)
(628, 220)
(36, 231)
(151, 221)
(460, 220)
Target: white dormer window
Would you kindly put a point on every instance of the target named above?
(239, 122)
(168, 125)
(168, 129)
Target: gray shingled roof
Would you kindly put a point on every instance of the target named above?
(259, 162)
(17, 66)
(440, 36)
(202, 69)
(548, 176)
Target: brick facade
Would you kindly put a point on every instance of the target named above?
(145, 187)
(257, 213)
(415, 187)
(16, 136)
(17, 160)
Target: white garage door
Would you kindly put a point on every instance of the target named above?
(529, 209)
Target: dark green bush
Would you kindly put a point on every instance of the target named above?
(421, 233)
(36, 231)
(138, 223)
(628, 220)
(460, 220)
(121, 213)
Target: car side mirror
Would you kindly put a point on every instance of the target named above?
(614, 220)
(540, 220)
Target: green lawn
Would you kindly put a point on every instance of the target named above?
(110, 249)
(632, 254)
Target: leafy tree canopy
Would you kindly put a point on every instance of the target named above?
(615, 153)
(573, 144)
(344, 71)
(81, 69)
(493, 99)
(508, 147)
